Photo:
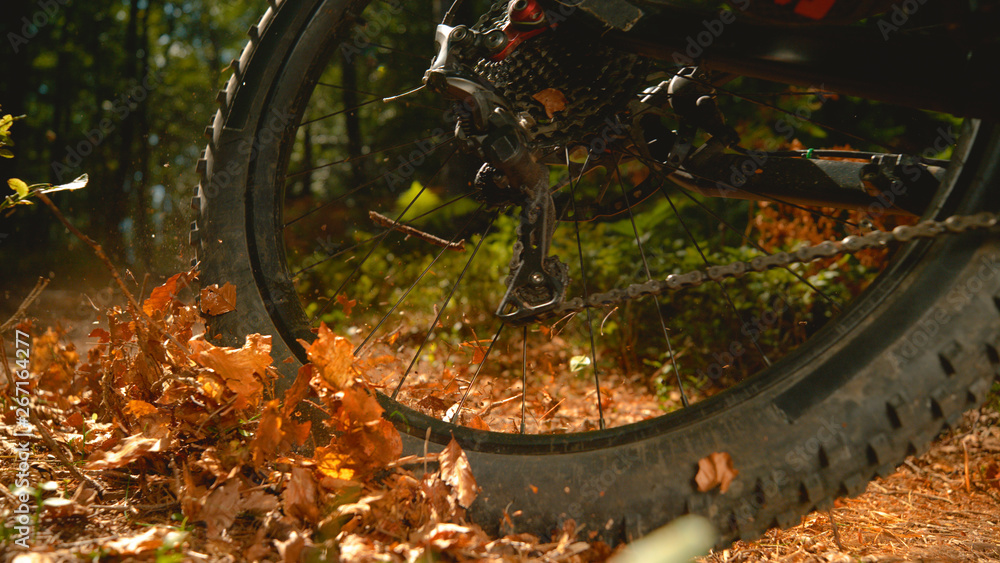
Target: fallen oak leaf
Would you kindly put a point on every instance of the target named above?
(715, 470)
(140, 408)
(217, 300)
(129, 450)
(149, 540)
(237, 366)
(456, 472)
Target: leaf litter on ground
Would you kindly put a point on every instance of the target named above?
(193, 460)
(196, 460)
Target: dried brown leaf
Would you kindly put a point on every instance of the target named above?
(163, 295)
(129, 450)
(140, 408)
(267, 441)
(300, 496)
(243, 369)
(332, 463)
(552, 100)
(333, 357)
(217, 300)
(221, 507)
(147, 541)
(346, 303)
(456, 472)
(714, 470)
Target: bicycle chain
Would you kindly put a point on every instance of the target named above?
(876, 239)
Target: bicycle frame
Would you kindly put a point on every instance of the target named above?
(932, 70)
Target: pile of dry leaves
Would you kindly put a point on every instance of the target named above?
(161, 445)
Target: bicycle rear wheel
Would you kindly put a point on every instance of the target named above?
(303, 149)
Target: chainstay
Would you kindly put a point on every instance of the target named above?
(928, 229)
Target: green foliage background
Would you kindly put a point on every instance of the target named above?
(72, 76)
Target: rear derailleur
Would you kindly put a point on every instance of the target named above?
(512, 175)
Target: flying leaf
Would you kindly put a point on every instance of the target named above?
(334, 356)
(715, 470)
(346, 303)
(577, 363)
(269, 436)
(140, 408)
(162, 295)
(553, 100)
(217, 300)
(456, 472)
(221, 508)
(331, 463)
(300, 496)
(478, 350)
(18, 186)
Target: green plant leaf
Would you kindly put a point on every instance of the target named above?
(18, 186)
(6, 153)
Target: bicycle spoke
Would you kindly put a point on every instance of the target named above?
(586, 296)
(361, 157)
(649, 277)
(442, 306)
(414, 284)
(380, 241)
(722, 288)
(455, 417)
(372, 181)
(524, 372)
(744, 236)
(382, 233)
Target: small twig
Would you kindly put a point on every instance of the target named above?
(489, 408)
(915, 493)
(39, 287)
(383, 221)
(968, 484)
(217, 412)
(60, 455)
(111, 268)
(836, 532)
(135, 508)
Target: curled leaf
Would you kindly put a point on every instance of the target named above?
(456, 472)
(217, 300)
(714, 470)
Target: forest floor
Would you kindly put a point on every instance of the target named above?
(154, 447)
